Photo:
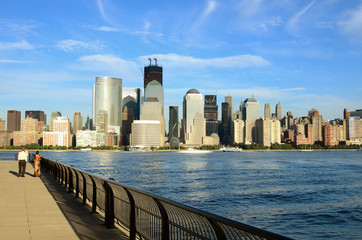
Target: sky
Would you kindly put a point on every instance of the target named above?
(303, 53)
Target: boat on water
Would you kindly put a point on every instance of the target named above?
(86, 149)
(230, 149)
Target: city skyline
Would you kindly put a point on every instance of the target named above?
(302, 54)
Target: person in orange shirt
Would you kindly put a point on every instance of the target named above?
(37, 160)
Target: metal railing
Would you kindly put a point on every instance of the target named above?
(147, 216)
(8, 156)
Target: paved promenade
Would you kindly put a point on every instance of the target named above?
(39, 208)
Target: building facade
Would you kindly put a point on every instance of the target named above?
(107, 96)
(174, 124)
(77, 122)
(146, 133)
(14, 120)
(211, 114)
(250, 109)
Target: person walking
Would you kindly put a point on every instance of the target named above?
(22, 157)
(37, 160)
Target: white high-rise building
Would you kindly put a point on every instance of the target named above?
(250, 109)
(107, 96)
(193, 122)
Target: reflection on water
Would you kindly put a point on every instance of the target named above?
(304, 195)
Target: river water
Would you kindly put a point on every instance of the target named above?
(302, 195)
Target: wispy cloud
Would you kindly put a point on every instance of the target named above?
(207, 11)
(22, 45)
(12, 61)
(74, 45)
(18, 27)
(239, 61)
(101, 10)
(352, 24)
(293, 23)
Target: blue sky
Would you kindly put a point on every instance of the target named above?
(303, 54)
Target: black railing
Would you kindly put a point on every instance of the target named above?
(147, 216)
(8, 156)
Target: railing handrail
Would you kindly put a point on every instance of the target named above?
(217, 223)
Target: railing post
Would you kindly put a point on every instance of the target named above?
(84, 189)
(76, 184)
(66, 176)
(164, 216)
(109, 205)
(94, 197)
(132, 216)
(71, 186)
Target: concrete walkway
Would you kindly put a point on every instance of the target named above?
(39, 208)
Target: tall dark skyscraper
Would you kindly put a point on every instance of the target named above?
(226, 131)
(153, 72)
(174, 125)
(36, 115)
(14, 120)
(210, 114)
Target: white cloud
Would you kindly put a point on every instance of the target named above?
(239, 61)
(72, 45)
(293, 23)
(23, 45)
(12, 61)
(352, 24)
(107, 29)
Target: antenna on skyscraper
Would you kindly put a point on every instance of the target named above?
(155, 61)
(150, 60)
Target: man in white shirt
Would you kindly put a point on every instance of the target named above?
(22, 157)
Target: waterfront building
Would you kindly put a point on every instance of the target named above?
(14, 120)
(131, 111)
(152, 72)
(330, 135)
(193, 122)
(31, 132)
(267, 131)
(250, 131)
(211, 114)
(2, 125)
(102, 121)
(146, 133)
(307, 137)
(267, 112)
(225, 126)
(238, 131)
(77, 122)
(61, 135)
(278, 111)
(155, 90)
(88, 124)
(213, 139)
(5, 138)
(357, 113)
(316, 120)
(36, 114)
(54, 115)
(107, 96)
(290, 124)
(152, 110)
(174, 124)
(230, 101)
(250, 109)
(353, 128)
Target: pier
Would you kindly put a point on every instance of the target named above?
(40, 208)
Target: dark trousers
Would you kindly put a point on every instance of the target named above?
(22, 167)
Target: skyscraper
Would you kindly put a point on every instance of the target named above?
(174, 125)
(36, 114)
(230, 101)
(107, 96)
(225, 116)
(54, 116)
(77, 122)
(250, 109)
(131, 111)
(267, 112)
(193, 122)
(211, 114)
(155, 90)
(278, 111)
(14, 120)
(152, 72)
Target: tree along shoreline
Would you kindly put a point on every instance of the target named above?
(246, 147)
